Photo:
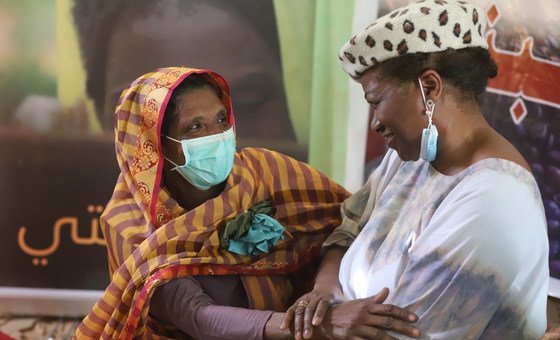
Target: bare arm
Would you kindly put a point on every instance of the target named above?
(327, 275)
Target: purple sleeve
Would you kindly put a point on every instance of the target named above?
(184, 304)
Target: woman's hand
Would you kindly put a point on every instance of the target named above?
(327, 291)
(310, 310)
(368, 319)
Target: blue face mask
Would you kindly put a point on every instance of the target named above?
(208, 160)
(428, 145)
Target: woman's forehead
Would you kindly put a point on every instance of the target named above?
(371, 80)
(201, 102)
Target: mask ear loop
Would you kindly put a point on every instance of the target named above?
(428, 104)
(170, 161)
(171, 138)
(167, 159)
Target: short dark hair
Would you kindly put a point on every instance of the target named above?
(95, 20)
(467, 69)
(191, 83)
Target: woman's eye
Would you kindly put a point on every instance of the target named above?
(194, 127)
(222, 119)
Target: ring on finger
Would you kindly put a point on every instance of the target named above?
(302, 303)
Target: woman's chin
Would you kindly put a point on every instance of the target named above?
(406, 157)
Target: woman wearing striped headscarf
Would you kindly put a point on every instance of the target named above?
(202, 240)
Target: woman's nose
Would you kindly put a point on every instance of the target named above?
(376, 125)
(214, 129)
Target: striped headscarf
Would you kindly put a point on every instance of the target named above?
(151, 239)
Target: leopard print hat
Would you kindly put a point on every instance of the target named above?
(423, 26)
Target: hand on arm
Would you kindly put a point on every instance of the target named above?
(367, 318)
(310, 309)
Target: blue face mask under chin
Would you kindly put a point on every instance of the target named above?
(208, 159)
(428, 145)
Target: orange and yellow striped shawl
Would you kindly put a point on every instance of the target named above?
(151, 239)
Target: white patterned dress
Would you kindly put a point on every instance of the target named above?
(466, 253)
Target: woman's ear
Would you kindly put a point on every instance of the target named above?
(432, 83)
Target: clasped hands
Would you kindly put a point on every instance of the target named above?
(321, 314)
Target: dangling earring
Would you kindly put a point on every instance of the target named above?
(428, 145)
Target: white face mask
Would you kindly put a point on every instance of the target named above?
(208, 159)
(428, 145)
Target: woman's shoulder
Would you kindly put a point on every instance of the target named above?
(283, 172)
(264, 162)
(499, 147)
(500, 195)
(495, 173)
(256, 155)
(258, 152)
(497, 206)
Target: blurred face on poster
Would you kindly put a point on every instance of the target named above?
(237, 39)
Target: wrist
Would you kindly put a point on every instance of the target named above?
(326, 329)
(333, 289)
(272, 329)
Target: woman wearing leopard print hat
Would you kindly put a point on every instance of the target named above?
(450, 227)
